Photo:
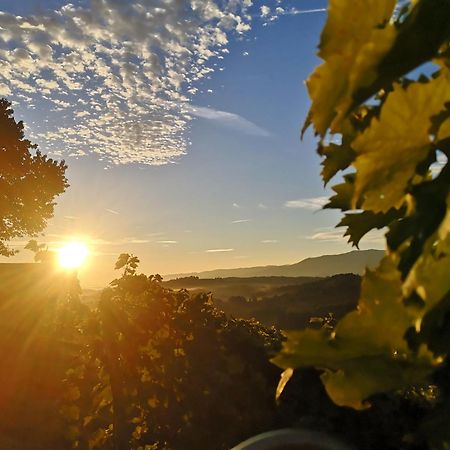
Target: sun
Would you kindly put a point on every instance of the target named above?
(73, 255)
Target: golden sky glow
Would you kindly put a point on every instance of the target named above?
(73, 255)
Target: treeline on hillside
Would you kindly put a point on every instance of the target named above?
(284, 302)
(224, 288)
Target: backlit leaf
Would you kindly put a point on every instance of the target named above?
(398, 138)
(338, 157)
(359, 224)
(354, 40)
(367, 352)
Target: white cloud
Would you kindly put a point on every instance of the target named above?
(229, 119)
(242, 221)
(269, 241)
(262, 206)
(123, 70)
(265, 11)
(332, 235)
(314, 203)
(219, 250)
(236, 205)
(168, 242)
(5, 91)
(112, 211)
(136, 241)
(118, 242)
(337, 235)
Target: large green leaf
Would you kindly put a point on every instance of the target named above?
(337, 157)
(356, 37)
(430, 276)
(399, 138)
(367, 352)
(419, 39)
(359, 224)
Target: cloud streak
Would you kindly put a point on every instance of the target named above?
(230, 120)
(337, 235)
(272, 14)
(219, 250)
(312, 204)
(241, 221)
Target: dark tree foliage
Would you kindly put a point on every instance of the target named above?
(29, 182)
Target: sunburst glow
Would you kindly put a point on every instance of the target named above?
(73, 255)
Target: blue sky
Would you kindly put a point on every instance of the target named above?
(216, 176)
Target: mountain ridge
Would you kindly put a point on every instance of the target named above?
(320, 266)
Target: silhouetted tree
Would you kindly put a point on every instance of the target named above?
(29, 182)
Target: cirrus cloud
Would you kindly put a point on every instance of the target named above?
(313, 203)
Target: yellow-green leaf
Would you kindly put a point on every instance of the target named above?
(444, 130)
(430, 276)
(399, 138)
(356, 37)
(367, 352)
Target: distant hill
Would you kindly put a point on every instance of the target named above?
(249, 287)
(321, 266)
(286, 302)
(292, 307)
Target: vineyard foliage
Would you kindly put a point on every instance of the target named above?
(381, 108)
(152, 368)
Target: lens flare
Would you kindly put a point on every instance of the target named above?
(73, 255)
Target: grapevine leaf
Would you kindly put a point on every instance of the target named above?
(398, 138)
(351, 60)
(338, 157)
(363, 377)
(122, 261)
(284, 379)
(430, 200)
(367, 352)
(444, 130)
(419, 38)
(359, 224)
(430, 276)
(344, 194)
(435, 327)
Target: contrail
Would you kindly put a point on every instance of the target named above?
(308, 11)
